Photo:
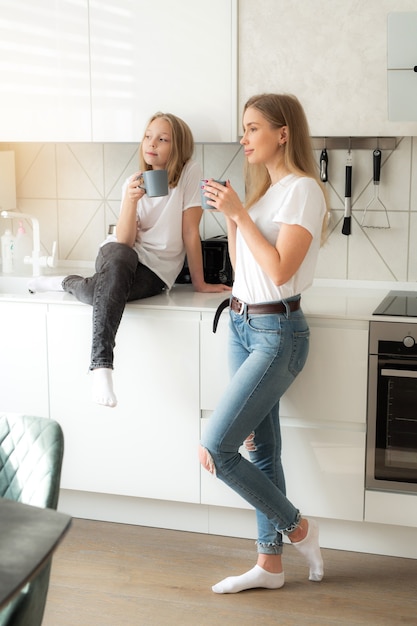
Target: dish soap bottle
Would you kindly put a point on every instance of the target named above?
(7, 243)
(22, 247)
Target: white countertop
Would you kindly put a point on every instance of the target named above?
(354, 300)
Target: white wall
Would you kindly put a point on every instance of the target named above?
(331, 53)
(74, 188)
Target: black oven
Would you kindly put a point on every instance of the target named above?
(391, 450)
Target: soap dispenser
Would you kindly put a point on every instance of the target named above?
(22, 248)
(7, 244)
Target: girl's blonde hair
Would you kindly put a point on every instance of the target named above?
(182, 146)
(283, 110)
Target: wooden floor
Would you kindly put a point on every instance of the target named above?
(106, 574)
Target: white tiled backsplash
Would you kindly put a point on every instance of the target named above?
(74, 190)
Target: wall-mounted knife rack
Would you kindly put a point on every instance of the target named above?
(354, 143)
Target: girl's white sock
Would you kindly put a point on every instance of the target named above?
(46, 283)
(310, 549)
(103, 386)
(255, 577)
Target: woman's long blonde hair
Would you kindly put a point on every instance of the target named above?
(283, 110)
(182, 146)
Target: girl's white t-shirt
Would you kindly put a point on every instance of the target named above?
(159, 243)
(293, 200)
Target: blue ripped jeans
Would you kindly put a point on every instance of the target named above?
(266, 353)
(119, 278)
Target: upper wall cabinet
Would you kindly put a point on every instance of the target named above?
(96, 70)
(402, 66)
(44, 71)
(177, 57)
(332, 55)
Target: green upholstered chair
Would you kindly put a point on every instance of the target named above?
(31, 453)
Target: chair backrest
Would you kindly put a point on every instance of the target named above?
(31, 453)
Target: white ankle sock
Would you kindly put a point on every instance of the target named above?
(103, 386)
(255, 577)
(310, 549)
(46, 283)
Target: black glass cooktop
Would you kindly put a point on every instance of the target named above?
(400, 303)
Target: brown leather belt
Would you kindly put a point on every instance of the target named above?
(255, 309)
(264, 309)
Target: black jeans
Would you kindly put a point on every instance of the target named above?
(119, 278)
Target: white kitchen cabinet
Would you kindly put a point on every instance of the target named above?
(213, 360)
(23, 363)
(96, 70)
(147, 445)
(397, 509)
(163, 56)
(324, 469)
(332, 385)
(402, 66)
(44, 71)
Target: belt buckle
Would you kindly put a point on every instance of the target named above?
(241, 308)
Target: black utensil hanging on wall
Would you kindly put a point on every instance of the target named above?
(324, 162)
(324, 177)
(347, 220)
(377, 216)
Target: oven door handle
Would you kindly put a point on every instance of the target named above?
(399, 373)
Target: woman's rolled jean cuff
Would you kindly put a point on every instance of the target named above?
(290, 529)
(269, 548)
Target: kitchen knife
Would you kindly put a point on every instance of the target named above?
(346, 229)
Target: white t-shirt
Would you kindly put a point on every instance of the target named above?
(293, 200)
(159, 244)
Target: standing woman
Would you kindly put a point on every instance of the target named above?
(274, 242)
(153, 236)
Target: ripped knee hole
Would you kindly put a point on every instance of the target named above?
(206, 460)
(249, 442)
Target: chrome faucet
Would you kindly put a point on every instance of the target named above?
(36, 260)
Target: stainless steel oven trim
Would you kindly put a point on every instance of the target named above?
(391, 331)
(370, 481)
(399, 373)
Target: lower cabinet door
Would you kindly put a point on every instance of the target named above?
(398, 509)
(324, 473)
(24, 364)
(337, 361)
(324, 470)
(147, 445)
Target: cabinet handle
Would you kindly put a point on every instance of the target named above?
(399, 373)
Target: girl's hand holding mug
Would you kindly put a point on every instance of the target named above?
(134, 190)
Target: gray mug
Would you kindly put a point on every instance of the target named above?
(204, 199)
(155, 183)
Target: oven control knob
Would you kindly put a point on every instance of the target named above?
(408, 341)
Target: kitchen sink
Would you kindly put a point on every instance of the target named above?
(14, 284)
